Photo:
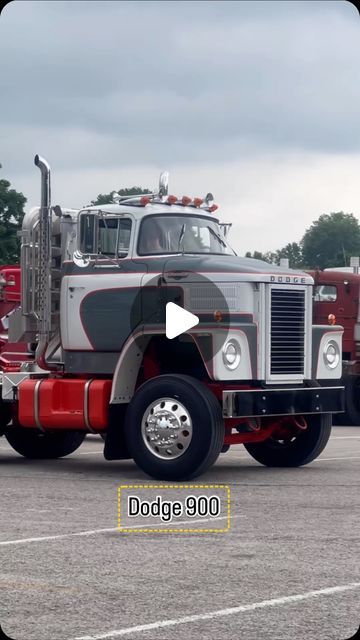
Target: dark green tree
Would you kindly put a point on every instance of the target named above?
(293, 252)
(106, 198)
(331, 241)
(268, 256)
(12, 204)
(256, 255)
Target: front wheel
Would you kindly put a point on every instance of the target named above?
(174, 428)
(31, 443)
(297, 450)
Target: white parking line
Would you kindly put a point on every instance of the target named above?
(90, 453)
(60, 536)
(222, 612)
(345, 438)
(80, 453)
(91, 532)
(346, 458)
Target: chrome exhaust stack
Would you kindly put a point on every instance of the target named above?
(43, 311)
(45, 181)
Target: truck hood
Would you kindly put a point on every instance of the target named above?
(235, 268)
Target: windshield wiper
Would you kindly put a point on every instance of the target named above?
(181, 237)
(217, 236)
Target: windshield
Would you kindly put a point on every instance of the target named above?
(181, 234)
(325, 293)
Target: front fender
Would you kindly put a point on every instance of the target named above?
(321, 335)
(130, 360)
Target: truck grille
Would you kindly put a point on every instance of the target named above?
(287, 354)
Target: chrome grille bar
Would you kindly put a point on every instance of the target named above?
(287, 342)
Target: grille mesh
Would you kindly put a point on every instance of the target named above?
(210, 297)
(287, 332)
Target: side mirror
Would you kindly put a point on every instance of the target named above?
(81, 260)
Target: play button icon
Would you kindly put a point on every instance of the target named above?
(178, 320)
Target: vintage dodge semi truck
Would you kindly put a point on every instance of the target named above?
(94, 293)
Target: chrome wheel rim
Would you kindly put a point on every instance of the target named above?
(166, 428)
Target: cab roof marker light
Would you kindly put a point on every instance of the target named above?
(144, 201)
(198, 202)
(213, 208)
(185, 200)
(172, 199)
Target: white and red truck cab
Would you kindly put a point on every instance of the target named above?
(95, 288)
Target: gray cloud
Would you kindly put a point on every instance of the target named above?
(207, 78)
(258, 101)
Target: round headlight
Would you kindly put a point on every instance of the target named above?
(231, 354)
(331, 354)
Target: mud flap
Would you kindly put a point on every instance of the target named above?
(115, 446)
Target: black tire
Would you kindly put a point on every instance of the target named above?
(205, 414)
(351, 417)
(302, 449)
(5, 416)
(30, 443)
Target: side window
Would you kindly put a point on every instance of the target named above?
(104, 235)
(124, 236)
(107, 239)
(325, 293)
(87, 233)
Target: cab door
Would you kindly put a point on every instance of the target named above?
(100, 297)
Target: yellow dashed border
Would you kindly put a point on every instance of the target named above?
(225, 487)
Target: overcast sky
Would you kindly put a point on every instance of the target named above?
(258, 102)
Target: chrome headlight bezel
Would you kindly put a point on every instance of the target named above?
(231, 354)
(331, 354)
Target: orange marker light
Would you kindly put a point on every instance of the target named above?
(172, 199)
(198, 202)
(144, 200)
(217, 315)
(213, 208)
(331, 318)
(185, 200)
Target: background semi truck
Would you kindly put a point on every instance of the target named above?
(9, 296)
(90, 352)
(337, 300)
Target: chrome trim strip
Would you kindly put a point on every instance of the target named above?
(36, 406)
(86, 406)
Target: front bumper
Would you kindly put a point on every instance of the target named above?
(282, 402)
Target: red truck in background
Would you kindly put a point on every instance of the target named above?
(337, 301)
(10, 297)
(10, 291)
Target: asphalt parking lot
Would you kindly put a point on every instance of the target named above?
(67, 573)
